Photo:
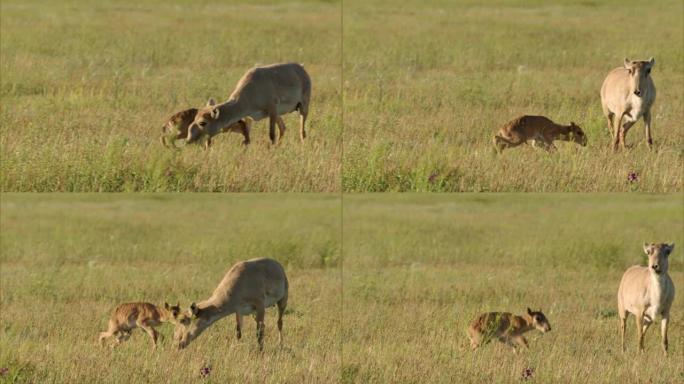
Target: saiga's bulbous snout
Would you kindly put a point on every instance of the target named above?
(193, 134)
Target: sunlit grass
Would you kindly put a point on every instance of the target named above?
(68, 260)
(419, 267)
(428, 83)
(86, 87)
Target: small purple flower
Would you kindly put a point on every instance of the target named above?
(4, 371)
(527, 373)
(632, 177)
(205, 371)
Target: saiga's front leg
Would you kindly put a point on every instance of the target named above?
(663, 331)
(647, 125)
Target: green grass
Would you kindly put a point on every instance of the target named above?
(87, 85)
(419, 267)
(67, 260)
(416, 269)
(428, 83)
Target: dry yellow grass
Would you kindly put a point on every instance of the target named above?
(68, 260)
(86, 87)
(419, 267)
(428, 83)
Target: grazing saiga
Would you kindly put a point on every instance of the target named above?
(269, 91)
(176, 128)
(249, 287)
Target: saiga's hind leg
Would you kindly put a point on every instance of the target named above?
(238, 326)
(281, 128)
(244, 127)
(623, 327)
(303, 114)
(282, 304)
(609, 119)
(260, 315)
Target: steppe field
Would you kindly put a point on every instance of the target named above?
(68, 260)
(87, 85)
(427, 83)
(419, 268)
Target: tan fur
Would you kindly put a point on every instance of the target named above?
(647, 292)
(146, 316)
(627, 94)
(176, 128)
(249, 287)
(269, 91)
(538, 129)
(506, 327)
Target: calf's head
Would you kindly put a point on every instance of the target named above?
(657, 256)
(539, 321)
(177, 126)
(577, 135)
(174, 311)
(638, 72)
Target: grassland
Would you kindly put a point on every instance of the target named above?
(419, 267)
(68, 259)
(428, 83)
(87, 85)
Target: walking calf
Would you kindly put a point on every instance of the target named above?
(538, 129)
(145, 316)
(506, 327)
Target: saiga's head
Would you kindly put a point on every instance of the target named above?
(638, 72)
(206, 122)
(189, 325)
(658, 256)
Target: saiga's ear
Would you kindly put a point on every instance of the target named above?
(215, 113)
(647, 248)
